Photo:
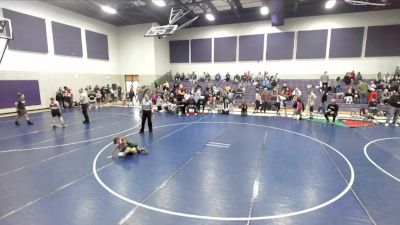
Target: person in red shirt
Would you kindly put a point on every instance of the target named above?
(372, 95)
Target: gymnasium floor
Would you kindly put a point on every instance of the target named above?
(214, 169)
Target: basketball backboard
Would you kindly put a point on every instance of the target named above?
(5, 28)
(161, 31)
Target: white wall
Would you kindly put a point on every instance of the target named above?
(161, 49)
(55, 71)
(295, 68)
(28, 61)
(147, 57)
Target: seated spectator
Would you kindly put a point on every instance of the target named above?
(227, 77)
(331, 110)
(182, 78)
(207, 77)
(348, 96)
(356, 97)
(236, 79)
(372, 86)
(379, 77)
(347, 79)
(217, 77)
(227, 88)
(177, 77)
(266, 83)
(243, 108)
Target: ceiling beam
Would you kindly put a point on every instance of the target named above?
(211, 6)
(236, 7)
(184, 7)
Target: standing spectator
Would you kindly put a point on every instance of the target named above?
(258, 102)
(324, 99)
(372, 95)
(21, 109)
(310, 103)
(397, 73)
(265, 97)
(131, 95)
(363, 88)
(332, 110)
(147, 110)
(60, 96)
(387, 78)
(84, 102)
(299, 109)
(336, 84)
(119, 93)
(394, 110)
(324, 81)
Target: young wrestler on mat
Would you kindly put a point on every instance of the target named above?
(125, 147)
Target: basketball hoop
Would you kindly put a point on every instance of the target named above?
(161, 31)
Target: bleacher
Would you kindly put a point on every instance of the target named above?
(250, 91)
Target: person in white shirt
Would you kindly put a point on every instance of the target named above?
(84, 102)
(147, 111)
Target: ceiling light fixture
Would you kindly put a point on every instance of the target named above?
(108, 9)
(210, 17)
(330, 4)
(264, 10)
(159, 3)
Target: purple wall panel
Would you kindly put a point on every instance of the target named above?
(10, 88)
(383, 41)
(225, 49)
(29, 32)
(179, 51)
(280, 46)
(346, 42)
(96, 45)
(251, 47)
(67, 39)
(200, 50)
(311, 44)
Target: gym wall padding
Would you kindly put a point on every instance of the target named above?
(96, 45)
(280, 46)
(179, 51)
(29, 32)
(311, 44)
(200, 50)
(67, 40)
(251, 47)
(225, 49)
(346, 42)
(10, 88)
(383, 41)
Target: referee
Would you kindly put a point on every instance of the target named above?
(147, 110)
(84, 102)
